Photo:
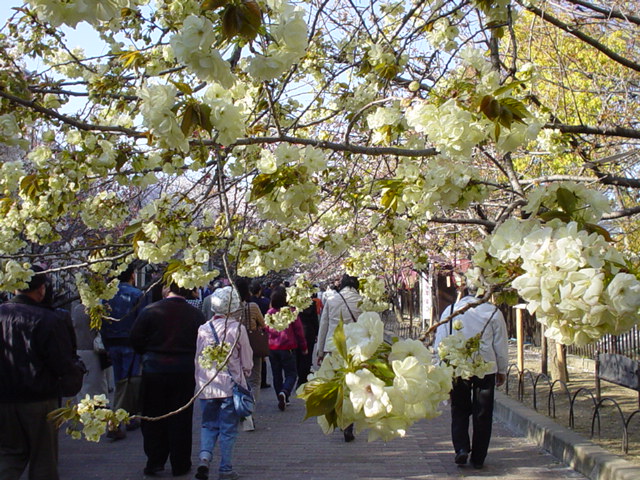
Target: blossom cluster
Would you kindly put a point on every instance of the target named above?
(212, 355)
(573, 279)
(289, 34)
(91, 417)
(281, 319)
(72, 12)
(156, 108)
(193, 46)
(299, 294)
(379, 387)
(463, 354)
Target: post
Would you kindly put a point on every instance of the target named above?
(520, 336)
(544, 355)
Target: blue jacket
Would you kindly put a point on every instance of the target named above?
(125, 306)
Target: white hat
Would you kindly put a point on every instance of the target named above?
(225, 300)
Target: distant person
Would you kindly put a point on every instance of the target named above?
(35, 352)
(258, 297)
(474, 397)
(219, 418)
(282, 347)
(309, 319)
(343, 305)
(250, 316)
(92, 352)
(124, 308)
(207, 308)
(165, 334)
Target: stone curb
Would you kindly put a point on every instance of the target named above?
(571, 448)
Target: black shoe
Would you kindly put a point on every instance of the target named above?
(152, 470)
(461, 457)
(348, 434)
(202, 473)
(181, 471)
(477, 465)
(265, 385)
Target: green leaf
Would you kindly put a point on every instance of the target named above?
(553, 214)
(262, 185)
(382, 370)
(183, 87)
(340, 339)
(187, 124)
(203, 116)
(212, 4)
(593, 228)
(567, 200)
(516, 108)
(507, 87)
(133, 228)
(322, 399)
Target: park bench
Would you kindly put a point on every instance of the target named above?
(617, 369)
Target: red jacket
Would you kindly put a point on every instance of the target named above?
(290, 338)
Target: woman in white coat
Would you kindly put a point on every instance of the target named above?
(344, 305)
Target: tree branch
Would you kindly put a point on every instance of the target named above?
(584, 129)
(582, 36)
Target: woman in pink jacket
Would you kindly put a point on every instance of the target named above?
(282, 350)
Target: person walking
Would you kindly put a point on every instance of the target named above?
(250, 316)
(165, 334)
(35, 353)
(282, 350)
(124, 308)
(219, 418)
(309, 319)
(343, 305)
(474, 397)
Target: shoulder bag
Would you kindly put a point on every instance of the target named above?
(258, 338)
(243, 402)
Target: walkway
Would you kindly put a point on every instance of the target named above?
(285, 448)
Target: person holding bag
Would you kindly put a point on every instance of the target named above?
(250, 316)
(216, 386)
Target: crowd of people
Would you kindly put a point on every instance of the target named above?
(161, 343)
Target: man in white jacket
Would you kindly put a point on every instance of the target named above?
(474, 397)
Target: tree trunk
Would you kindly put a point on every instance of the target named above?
(558, 361)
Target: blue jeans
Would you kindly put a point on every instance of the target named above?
(121, 357)
(283, 363)
(219, 420)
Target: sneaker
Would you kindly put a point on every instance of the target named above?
(282, 401)
(461, 457)
(228, 476)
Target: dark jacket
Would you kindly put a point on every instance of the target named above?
(165, 334)
(125, 306)
(35, 351)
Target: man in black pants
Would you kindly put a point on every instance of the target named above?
(474, 396)
(36, 350)
(165, 335)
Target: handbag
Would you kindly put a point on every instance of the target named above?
(243, 401)
(258, 338)
(128, 392)
(71, 381)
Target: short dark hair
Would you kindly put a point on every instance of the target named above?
(279, 298)
(255, 288)
(183, 292)
(349, 281)
(126, 275)
(37, 280)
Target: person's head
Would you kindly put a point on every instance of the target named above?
(349, 281)
(37, 285)
(242, 286)
(256, 288)
(181, 291)
(127, 276)
(279, 298)
(225, 301)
